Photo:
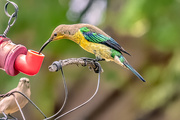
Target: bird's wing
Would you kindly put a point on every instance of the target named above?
(101, 39)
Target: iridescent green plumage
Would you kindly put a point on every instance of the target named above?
(101, 39)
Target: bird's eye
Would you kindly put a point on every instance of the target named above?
(55, 34)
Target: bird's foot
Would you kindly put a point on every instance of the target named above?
(87, 60)
(92, 59)
(94, 64)
(99, 59)
(97, 68)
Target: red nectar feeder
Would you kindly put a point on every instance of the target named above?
(15, 58)
(30, 63)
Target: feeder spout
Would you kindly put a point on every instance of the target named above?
(30, 63)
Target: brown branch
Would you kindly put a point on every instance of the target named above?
(91, 63)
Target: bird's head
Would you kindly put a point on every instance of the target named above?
(24, 83)
(60, 32)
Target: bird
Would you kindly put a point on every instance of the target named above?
(8, 104)
(93, 40)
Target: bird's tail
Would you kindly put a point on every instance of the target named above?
(123, 62)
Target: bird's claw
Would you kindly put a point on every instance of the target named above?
(97, 68)
(86, 60)
(99, 59)
(94, 63)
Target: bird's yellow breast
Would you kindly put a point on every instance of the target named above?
(99, 50)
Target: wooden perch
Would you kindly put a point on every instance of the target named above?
(92, 63)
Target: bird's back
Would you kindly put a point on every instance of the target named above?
(92, 28)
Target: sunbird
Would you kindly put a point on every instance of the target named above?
(93, 40)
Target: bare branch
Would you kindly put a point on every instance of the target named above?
(92, 63)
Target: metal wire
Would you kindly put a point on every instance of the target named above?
(29, 101)
(12, 93)
(66, 95)
(97, 88)
(22, 114)
(12, 17)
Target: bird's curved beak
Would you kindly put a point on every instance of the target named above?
(45, 44)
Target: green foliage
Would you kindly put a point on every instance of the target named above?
(157, 20)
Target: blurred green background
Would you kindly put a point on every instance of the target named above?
(147, 29)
